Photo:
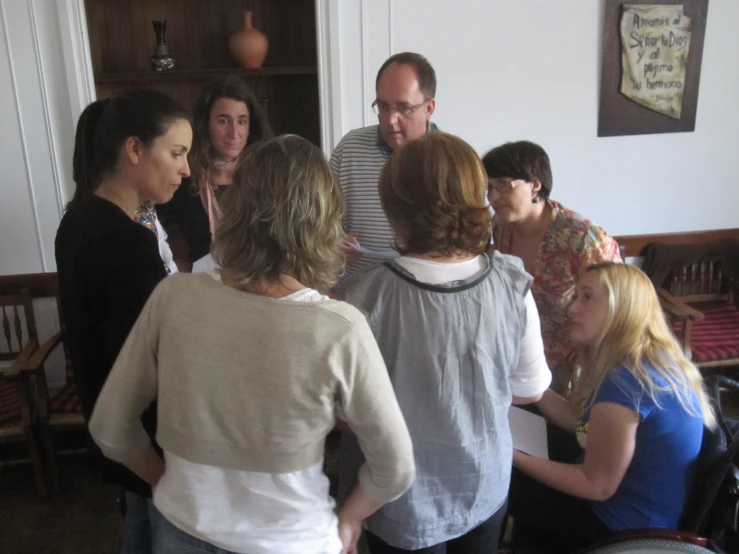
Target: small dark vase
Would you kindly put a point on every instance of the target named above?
(161, 60)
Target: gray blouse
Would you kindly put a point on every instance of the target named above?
(450, 350)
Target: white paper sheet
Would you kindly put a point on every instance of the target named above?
(388, 254)
(206, 263)
(529, 432)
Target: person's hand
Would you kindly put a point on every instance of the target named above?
(349, 532)
(352, 254)
(356, 508)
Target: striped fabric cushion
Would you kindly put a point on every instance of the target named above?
(10, 403)
(66, 401)
(716, 337)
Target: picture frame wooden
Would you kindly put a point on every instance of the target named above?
(618, 115)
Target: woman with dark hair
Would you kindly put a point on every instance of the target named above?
(249, 364)
(555, 243)
(227, 118)
(460, 336)
(130, 151)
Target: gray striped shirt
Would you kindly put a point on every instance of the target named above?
(357, 161)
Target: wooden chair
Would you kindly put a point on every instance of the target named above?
(62, 410)
(18, 393)
(701, 301)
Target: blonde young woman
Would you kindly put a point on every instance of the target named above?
(249, 365)
(640, 408)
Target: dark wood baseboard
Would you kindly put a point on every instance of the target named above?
(635, 243)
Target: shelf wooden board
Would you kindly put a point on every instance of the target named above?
(196, 74)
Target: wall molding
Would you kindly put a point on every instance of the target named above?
(53, 147)
(390, 27)
(80, 78)
(329, 85)
(22, 134)
(363, 36)
(76, 53)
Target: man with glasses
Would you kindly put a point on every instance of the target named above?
(405, 89)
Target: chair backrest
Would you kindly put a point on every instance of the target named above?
(694, 272)
(39, 286)
(714, 459)
(700, 281)
(712, 510)
(14, 310)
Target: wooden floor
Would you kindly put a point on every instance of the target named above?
(83, 519)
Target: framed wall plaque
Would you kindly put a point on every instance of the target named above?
(652, 51)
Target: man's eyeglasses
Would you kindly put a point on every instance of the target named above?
(504, 184)
(403, 110)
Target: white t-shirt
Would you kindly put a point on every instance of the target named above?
(164, 250)
(533, 374)
(250, 512)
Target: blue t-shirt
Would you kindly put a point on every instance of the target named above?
(668, 440)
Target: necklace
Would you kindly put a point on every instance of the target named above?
(222, 165)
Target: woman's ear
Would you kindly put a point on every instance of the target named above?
(132, 150)
(535, 190)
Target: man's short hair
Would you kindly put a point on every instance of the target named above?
(424, 71)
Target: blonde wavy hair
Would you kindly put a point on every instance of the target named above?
(282, 215)
(636, 334)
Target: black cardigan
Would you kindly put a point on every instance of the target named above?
(185, 214)
(108, 265)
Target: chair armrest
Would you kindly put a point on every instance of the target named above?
(727, 382)
(19, 363)
(39, 357)
(677, 307)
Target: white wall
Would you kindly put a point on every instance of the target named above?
(507, 70)
(36, 145)
(530, 69)
(37, 134)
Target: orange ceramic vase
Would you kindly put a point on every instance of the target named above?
(248, 46)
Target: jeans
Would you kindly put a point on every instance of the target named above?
(483, 539)
(136, 525)
(169, 539)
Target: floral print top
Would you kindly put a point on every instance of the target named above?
(571, 244)
(147, 216)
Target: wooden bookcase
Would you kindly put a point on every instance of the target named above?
(122, 40)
